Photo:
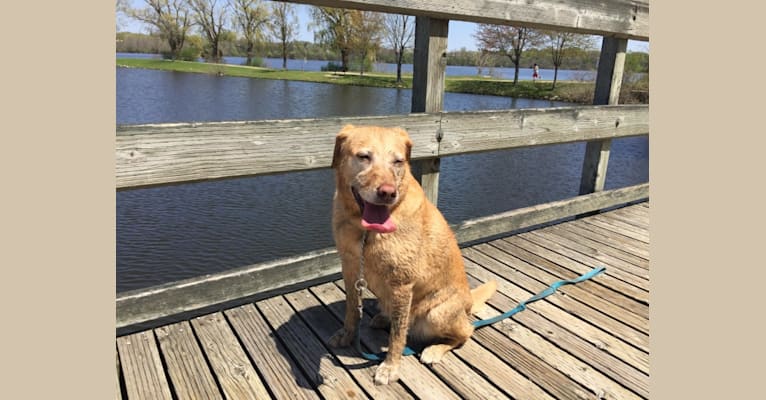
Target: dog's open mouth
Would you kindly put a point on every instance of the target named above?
(375, 217)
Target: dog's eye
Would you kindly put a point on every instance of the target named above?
(398, 162)
(363, 156)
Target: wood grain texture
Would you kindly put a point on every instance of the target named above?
(185, 363)
(142, 367)
(324, 325)
(413, 374)
(605, 371)
(236, 375)
(613, 278)
(150, 155)
(611, 64)
(280, 372)
(322, 369)
(484, 227)
(620, 18)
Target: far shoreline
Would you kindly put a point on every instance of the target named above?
(567, 91)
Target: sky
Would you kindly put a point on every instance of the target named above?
(460, 33)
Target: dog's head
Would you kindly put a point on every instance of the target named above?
(371, 164)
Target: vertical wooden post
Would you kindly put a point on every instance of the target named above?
(430, 62)
(611, 63)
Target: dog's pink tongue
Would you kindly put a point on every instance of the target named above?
(377, 218)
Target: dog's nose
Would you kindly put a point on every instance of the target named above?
(386, 192)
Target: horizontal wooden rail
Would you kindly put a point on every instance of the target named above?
(627, 19)
(149, 155)
(197, 293)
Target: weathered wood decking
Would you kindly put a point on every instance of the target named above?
(589, 340)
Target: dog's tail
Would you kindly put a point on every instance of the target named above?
(481, 294)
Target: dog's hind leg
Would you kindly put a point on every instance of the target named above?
(446, 326)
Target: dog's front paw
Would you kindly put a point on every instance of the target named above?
(433, 354)
(386, 373)
(341, 338)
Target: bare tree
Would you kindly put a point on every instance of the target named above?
(121, 7)
(250, 18)
(397, 33)
(366, 27)
(171, 19)
(508, 41)
(283, 26)
(211, 17)
(561, 43)
(333, 28)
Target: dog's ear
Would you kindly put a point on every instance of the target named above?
(339, 139)
(407, 142)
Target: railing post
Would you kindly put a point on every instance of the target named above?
(611, 63)
(430, 62)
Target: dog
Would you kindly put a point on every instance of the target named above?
(413, 263)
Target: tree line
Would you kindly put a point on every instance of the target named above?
(189, 29)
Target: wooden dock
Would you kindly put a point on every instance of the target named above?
(588, 341)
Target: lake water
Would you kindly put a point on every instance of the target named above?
(170, 233)
(525, 74)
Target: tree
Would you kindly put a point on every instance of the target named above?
(366, 28)
(397, 33)
(283, 27)
(508, 41)
(333, 28)
(250, 18)
(561, 45)
(170, 18)
(211, 17)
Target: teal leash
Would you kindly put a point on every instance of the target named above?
(477, 324)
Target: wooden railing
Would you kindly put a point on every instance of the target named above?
(151, 155)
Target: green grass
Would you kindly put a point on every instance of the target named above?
(575, 92)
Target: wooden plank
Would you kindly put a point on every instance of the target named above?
(608, 82)
(611, 65)
(631, 219)
(608, 366)
(142, 367)
(579, 263)
(428, 177)
(629, 19)
(627, 324)
(185, 362)
(118, 374)
(634, 248)
(484, 227)
(544, 374)
(150, 155)
(470, 132)
(239, 283)
(324, 325)
(429, 64)
(596, 335)
(500, 372)
(413, 374)
(281, 375)
(322, 369)
(619, 227)
(613, 257)
(236, 375)
(559, 272)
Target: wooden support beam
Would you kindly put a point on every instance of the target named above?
(608, 82)
(429, 65)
